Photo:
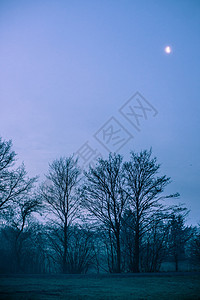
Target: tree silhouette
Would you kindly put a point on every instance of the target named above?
(105, 198)
(145, 189)
(61, 200)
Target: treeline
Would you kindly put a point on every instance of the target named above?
(113, 217)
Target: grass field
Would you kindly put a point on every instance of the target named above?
(127, 286)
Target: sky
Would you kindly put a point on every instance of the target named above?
(89, 77)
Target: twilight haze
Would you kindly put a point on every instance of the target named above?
(68, 68)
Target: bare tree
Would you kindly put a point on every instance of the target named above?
(154, 247)
(60, 196)
(145, 190)
(106, 199)
(14, 184)
(81, 252)
(179, 236)
(7, 156)
(20, 221)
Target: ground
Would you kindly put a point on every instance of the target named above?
(116, 286)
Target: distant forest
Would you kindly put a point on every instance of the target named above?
(112, 217)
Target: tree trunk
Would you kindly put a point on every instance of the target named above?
(118, 254)
(65, 249)
(136, 268)
(176, 262)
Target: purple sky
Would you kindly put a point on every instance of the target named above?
(67, 67)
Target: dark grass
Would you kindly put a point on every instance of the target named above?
(116, 286)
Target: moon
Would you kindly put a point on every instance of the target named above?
(168, 49)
